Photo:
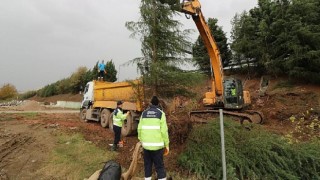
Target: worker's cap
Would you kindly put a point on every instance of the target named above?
(155, 100)
(119, 102)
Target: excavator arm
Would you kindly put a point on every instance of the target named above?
(217, 97)
(193, 8)
(226, 92)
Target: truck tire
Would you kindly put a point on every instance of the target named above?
(135, 123)
(105, 116)
(126, 129)
(83, 113)
(111, 122)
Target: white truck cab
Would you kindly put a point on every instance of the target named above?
(100, 100)
(88, 97)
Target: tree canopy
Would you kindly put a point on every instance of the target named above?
(78, 80)
(164, 48)
(8, 91)
(282, 36)
(200, 53)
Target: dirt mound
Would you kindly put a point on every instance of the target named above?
(60, 97)
(30, 106)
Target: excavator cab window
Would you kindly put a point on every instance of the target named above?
(233, 93)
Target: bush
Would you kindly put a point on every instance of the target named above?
(8, 91)
(49, 90)
(254, 154)
(27, 95)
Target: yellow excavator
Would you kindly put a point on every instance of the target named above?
(226, 92)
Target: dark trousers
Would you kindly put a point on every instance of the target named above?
(156, 158)
(101, 74)
(117, 134)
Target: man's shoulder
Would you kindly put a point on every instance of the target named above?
(153, 108)
(152, 112)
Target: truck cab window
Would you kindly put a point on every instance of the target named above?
(86, 89)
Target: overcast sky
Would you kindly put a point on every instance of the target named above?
(42, 41)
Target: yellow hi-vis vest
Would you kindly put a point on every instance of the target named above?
(153, 129)
(118, 117)
(233, 92)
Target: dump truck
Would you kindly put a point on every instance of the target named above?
(100, 100)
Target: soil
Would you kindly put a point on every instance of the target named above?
(54, 99)
(26, 139)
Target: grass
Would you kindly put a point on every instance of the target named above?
(5, 117)
(30, 115)
(74, 158)
(12, 116)
(254, 154)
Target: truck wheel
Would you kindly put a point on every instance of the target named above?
(83, 113)
(104, 120)
(126, 129)
(111, 122)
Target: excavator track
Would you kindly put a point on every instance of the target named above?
(203, 116)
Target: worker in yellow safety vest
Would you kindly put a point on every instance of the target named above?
(153, 134)
(233, 91)
(118, 118)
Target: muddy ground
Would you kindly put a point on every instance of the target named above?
(26, 138)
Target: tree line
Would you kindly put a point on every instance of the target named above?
(78, 80)
(277, 37)
(282, 37)
(72, 84)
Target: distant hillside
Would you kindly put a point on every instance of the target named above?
(60, 97)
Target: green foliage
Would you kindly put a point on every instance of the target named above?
(75, 83)
(78, 79)
(63, 86)
(29, 115)
(27, 95)
(200, 53)
(95, 71)
(170, 80)
(6, 117)
(164, 48)
(8, 91)
(282, 36)
(254, 154)
(306, 126)
(111, 75)
(48, 90)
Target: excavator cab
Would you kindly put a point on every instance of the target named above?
(233, 94)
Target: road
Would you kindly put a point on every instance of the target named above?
(41, 111)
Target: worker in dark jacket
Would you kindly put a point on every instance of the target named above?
(153, 134)
(118, 118)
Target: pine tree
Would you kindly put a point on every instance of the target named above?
(164, 48)
(111, 75)
(200, 53)
(282, 36)
(95, 71)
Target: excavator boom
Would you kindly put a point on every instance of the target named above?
(193, 8)
(225, 93)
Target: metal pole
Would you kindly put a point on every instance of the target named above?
(224, 166)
